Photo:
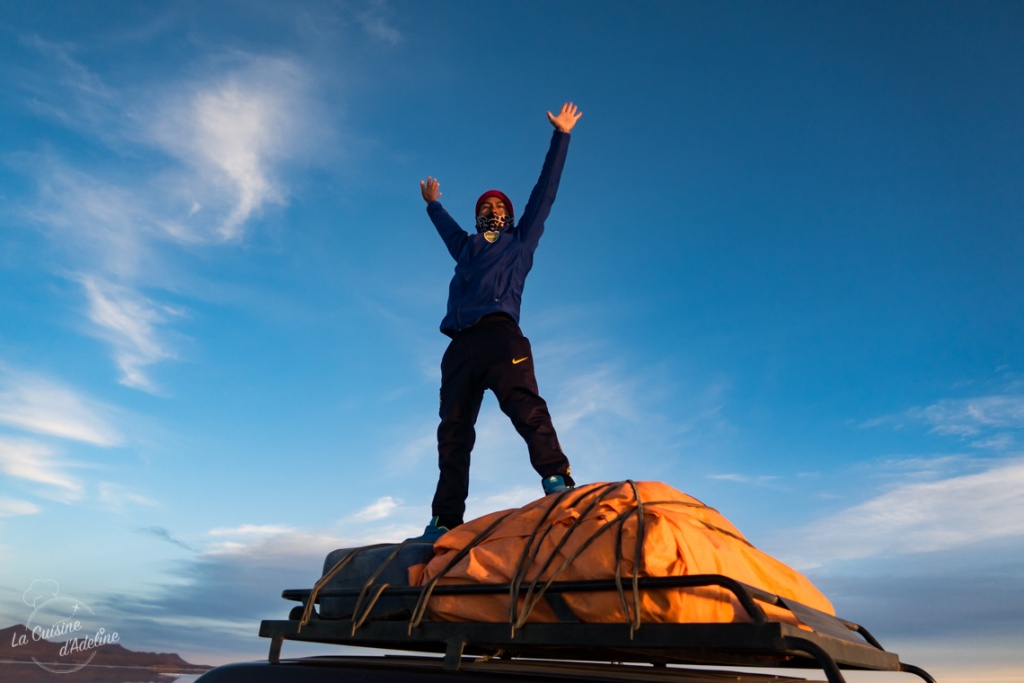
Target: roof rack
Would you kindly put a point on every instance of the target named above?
(828, 643)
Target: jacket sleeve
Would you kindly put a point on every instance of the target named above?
(454, 236)
(531, 225)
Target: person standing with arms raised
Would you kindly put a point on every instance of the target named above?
(487, 348)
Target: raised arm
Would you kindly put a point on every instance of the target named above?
(454, 236)
(566, 118)
(531, 223)
(429, 188)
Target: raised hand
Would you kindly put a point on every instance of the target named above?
(566, 118)
(429, 189)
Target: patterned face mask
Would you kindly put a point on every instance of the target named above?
(487, 223)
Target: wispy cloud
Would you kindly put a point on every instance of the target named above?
(274, 545)
(251, 530)
(165, 535)
(130, 322)
(226, 593)
(14, 507)
(39, 406)
(973, 416)
(64, 89)
(95, 219)
(601, 391)
(37, 463)
(120, 498)
(375, 20)
(988, 422)
(235, 579)
(191, 161)
(232, 133)
(382, 508)
(35, 404)
(921, 517)
(919, 604)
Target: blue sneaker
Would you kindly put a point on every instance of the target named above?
(432, 532)
(554, 484)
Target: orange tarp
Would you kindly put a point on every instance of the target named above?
(591, 533)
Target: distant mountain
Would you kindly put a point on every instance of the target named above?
(18, 645)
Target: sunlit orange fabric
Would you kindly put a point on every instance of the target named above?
(682, 536)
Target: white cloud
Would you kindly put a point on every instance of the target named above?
(105, 230)
(37, 405)
(13, 507)
(382, 508)
(415, 449)
(986, 422)
(969, 417)
(65, 89)
(119, 497)
(129, 322)
(286, 546)
(101, 223)
(921, 517)
(374, 20)
(593, 393)
(252, 530)
(191, 162)
(232, 133)
(34, 404)
(35, 462)
(275, 545)
(224, 136)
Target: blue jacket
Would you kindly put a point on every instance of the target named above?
(489, 277)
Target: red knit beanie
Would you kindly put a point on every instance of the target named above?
(500, 195)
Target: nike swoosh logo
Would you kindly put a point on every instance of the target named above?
(517, 361)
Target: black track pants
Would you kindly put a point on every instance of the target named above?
(493, 354)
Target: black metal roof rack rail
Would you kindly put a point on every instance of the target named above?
(829, 643)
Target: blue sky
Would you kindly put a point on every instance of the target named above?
(782, 275)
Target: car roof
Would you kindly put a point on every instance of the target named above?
(410, 669)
